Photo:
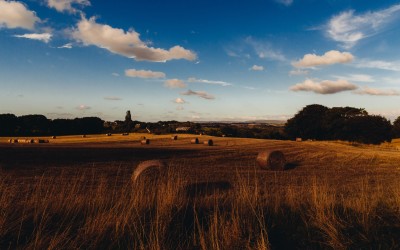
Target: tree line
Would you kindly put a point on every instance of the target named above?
(37, 125)
(318, 122)
(315, 122)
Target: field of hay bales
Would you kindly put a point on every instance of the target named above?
(76, 192)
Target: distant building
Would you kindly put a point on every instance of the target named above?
(182, 129)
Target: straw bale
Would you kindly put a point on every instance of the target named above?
(272, 160)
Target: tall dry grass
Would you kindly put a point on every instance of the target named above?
(90, 210)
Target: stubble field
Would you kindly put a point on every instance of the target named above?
(77, 192)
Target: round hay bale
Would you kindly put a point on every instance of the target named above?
(175, 137)
(125, 133)
(145, 142)
(194, 141)
(83, 136)
(148, 170)
(299, 139)
(108, 134)
(209, 142)
(53, 137)
(272, 160)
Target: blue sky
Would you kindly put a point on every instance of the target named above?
(198, 60)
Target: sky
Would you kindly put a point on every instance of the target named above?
(193, 60)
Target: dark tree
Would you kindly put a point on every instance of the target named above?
(8, 124)
(396, 128)
(33, 125)
(371, 129)
(308, 123)
(336, 118)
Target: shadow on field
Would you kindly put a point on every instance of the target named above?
(292, 165)
(42, 156)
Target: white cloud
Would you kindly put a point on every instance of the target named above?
(115, 74)
(348, 28)
(179, 100)
(127, 44)
(144, 73)
(67, 5)
(201, 94)
(174, 83)
(324, 87)
(257, 68)
(377, 64)
(330, 57)
(83, 107)
(112, 98)
(298, 72)
(15, 15)
(356, 78)
(65, 46)
(264, 50)
(285, 2)
(377, 92)
(44, 37)
(195, 80)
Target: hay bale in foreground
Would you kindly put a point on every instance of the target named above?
(149, 170)
(194, 141)
(272, 160)
(174, 138)
(145, 141)
(209, 143)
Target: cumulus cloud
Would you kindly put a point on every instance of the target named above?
(298, 72)
(201, 94)
(65, 46)
(83, 107)
(356, 78)
(112, 98)
(179, 101)
(43, 37)
(195, 80)
(257, 68)
(349, 28)
(330, 57)
(324, 87)
(16, 15)
(285, 2)
(174, 83)
(67, 5)
(377, 92)
(123, 43)
(378, 64)
(144, 73)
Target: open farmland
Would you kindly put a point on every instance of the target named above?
(76, 192)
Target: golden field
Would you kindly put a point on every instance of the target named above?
(77, 192)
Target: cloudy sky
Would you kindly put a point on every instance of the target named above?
(198, 60)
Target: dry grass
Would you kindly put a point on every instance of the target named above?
(347, 198)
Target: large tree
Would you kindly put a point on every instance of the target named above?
(396, 128)
(308, 123)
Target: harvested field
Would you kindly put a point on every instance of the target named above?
(333, 194)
